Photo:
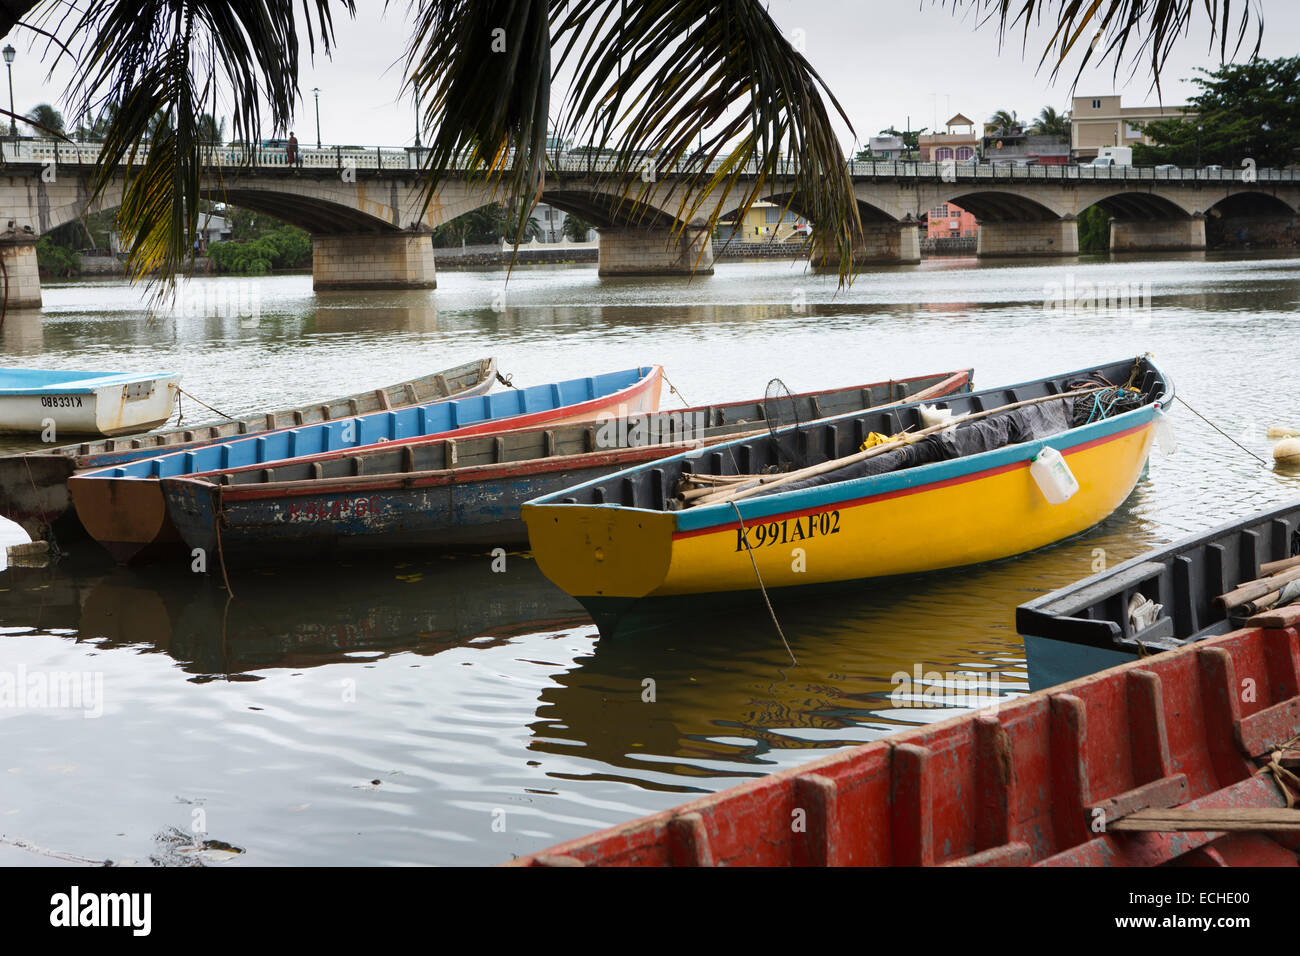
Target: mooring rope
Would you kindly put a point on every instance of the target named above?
(1222, 432)
(182, 391)
(744, 536)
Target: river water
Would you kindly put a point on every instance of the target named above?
(431, 711)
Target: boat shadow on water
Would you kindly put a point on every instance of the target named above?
(289, 618)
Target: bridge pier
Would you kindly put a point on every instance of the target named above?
(882, 243)
(373, 260)
(1157, 235)
(655, 252)
(22, 278)
(1052, 237)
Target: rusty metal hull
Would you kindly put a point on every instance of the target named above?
(33, 486)
(1060, 777)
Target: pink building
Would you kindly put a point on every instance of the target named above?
(950, 221)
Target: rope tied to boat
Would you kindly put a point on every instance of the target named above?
(1287, 781)
(180, 414)
(744, 536)
(506, 380)
(1222, 432)
(674, 390)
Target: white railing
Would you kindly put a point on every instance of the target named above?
(45, 151)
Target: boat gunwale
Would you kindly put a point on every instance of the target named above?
(466, 474)
(648, 375)
(721, 516)
(487, 368)
(91, 383)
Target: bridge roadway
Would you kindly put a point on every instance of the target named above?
(365, 210)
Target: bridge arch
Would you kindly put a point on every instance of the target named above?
(993, 205)
(1135, 204)
(1251, 204)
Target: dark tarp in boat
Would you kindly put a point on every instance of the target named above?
(1030, 423)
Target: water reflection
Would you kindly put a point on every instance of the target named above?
(286, 618)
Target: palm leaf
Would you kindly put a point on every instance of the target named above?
(1134, 30)
(650, 77)
(155, 66)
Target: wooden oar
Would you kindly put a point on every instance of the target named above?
(746, 491)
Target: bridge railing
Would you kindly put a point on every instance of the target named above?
(44, 151)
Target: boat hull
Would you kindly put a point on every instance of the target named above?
(33, 485)
(957, 513)
(1086, 626)
(476, 510)
(129, 515)
(408, 502)
(117, 408)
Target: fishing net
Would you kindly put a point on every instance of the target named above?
(1112, 400)
(782, 415)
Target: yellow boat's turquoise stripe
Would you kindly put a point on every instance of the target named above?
(943, 515)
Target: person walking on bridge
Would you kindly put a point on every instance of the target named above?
(291, 153)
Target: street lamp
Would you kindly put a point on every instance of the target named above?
(316, 90)
(9, 52)
(417, 118)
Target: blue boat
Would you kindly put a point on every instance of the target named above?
(124, 509)
(34, 485)
(51, 403)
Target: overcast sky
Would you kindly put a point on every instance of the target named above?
(886, 60)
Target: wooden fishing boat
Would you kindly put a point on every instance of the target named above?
(460, 494)
(1159, 761)
(33, 485)
(123, 507)
(1160, 600)
(62, 402)
(624, 545)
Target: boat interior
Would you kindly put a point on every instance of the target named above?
(711, 423)
(1183, 580)
(655, 486)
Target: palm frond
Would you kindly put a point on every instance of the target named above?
(655, 77)
(1133, 31)
(155, 66)
(651, 78)
(482, 72)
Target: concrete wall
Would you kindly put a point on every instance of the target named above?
(373, 261)
(1055, 237)
(1156, 235)
(882, 243)
(643, 252)
(22, 278)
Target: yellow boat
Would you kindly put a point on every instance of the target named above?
(629, 550)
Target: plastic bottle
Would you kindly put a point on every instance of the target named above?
(1055, 480)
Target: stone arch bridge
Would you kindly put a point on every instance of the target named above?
(370, 226)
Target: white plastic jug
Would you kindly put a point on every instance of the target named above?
(1053, 475)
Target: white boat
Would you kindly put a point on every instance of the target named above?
(55, 403)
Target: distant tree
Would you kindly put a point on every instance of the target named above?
(1051, 123)
(575, 229)
(1094, 230)
(1244, 111)
(211, 131)
(45, 120)
(1004, 121)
